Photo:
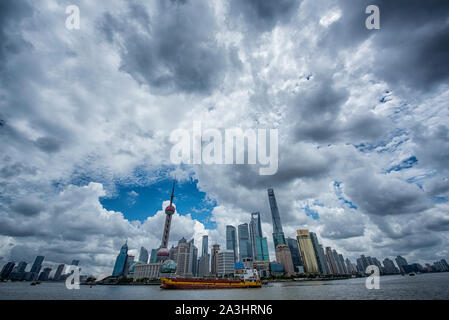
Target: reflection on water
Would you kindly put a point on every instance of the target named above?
(422, 286)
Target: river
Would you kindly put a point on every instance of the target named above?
(421, 286)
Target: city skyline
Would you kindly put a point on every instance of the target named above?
(324, 262)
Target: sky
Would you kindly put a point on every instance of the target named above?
(86, 116)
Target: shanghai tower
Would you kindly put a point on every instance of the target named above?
(278, 233)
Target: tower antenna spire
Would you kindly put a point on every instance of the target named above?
(172, 193)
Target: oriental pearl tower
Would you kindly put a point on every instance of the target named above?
(163, 253)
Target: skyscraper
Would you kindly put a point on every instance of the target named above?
(278, 233)
(6, 270)
(143, 256)
(337, 261)
(244, 243)
(295, 254)
(307, 252)
(182, 258)
(205, 249)
(255, 231)
(193, 258)
(231, 241)
(163, 253)
(36, 267)
(319, 254)
(342, 263)
(284, 257)
(262, 249)
(18, 273)
(58, 273)
(153, 257)
(214, 257)
(331, 261)
(203, 264)
(389, 267)
(45, 274)
(121, 261)
(401, 262)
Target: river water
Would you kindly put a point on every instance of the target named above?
(421, 286)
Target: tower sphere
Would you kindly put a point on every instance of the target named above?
(170, 209)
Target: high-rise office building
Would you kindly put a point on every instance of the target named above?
(163, 253)
(153, 256)
(214, 257)
(401, 262)
(255, 231)
(231, 241)
(59, 272)
(307, 252)
(337, 262)
(205, 244)
(342, 263)
(121, 261)
(278, 233)
(284, 257)
(389, 267)
(295, 253)
(36, 267)
(349, 266)
(6, 270)
(193, 258)
(331, 261)
(44, 274)
(143, 255)
(244, 243)
(203, 266)
(18, 273)
(262, 249)
(203, 263)
(225, 263)
(364, 263)
(182, 257)
(319, 254)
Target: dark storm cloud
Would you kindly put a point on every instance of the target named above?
(382, 195)
(263, 15)
(16, 169)
(48, 144)
(432, 145)
(11, 40)
(412, 46)
(438, 225)
(28, 207)
(173, 50)
(316, 109)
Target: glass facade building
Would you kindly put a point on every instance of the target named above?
(278, 233)
(231, 241)
(296, 255)
(121, 261)
(262, 249)
(319, 254)
(244, 242)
